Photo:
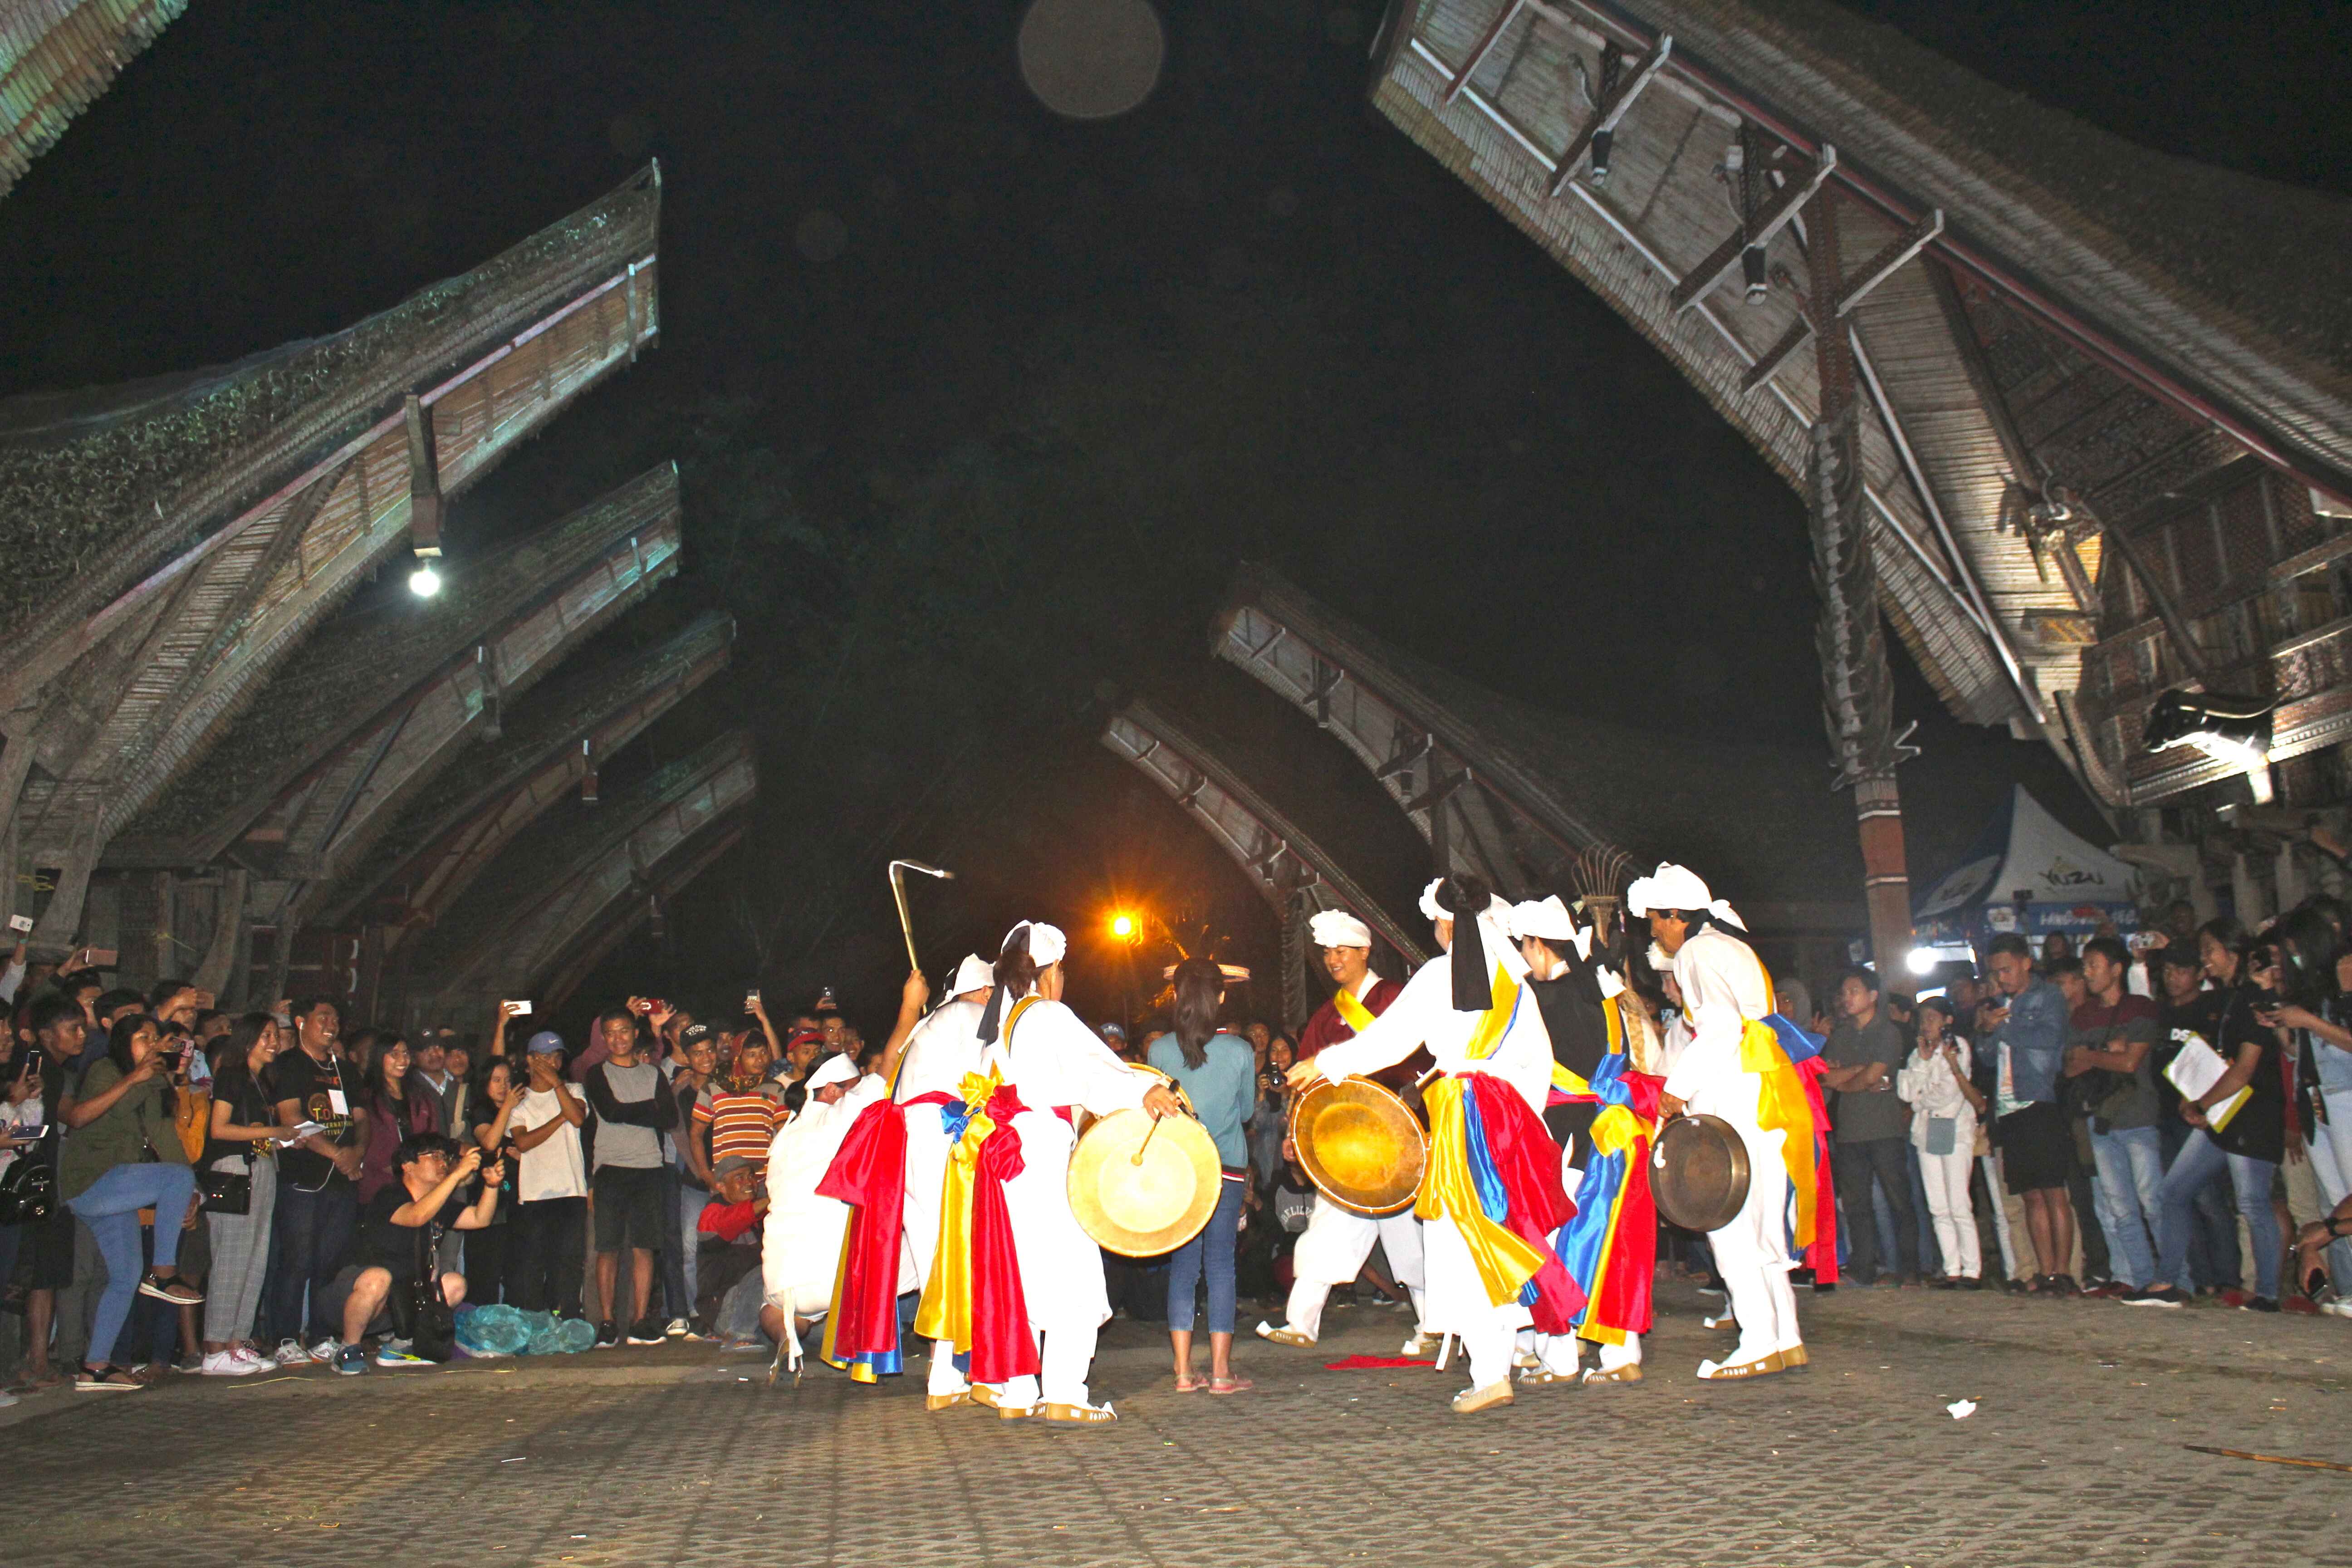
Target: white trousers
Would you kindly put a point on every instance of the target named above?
(1332, 1250)
(1945, 1177)
(1062, 1359)
(945, 1378)
(1751, 1253)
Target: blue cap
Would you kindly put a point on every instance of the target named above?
(547, 1042)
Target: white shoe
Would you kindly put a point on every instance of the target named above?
(1422, 1343)
(248, 1355)
(677, 1329)
(223, 1363)
(289, 1353)
(326, 1349)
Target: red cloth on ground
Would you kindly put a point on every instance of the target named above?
(1373, 1362)
(1527, 1161)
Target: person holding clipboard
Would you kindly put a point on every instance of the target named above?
(2239, 1115)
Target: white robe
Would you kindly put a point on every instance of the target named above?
(942, 1049)
(1423, 1014)
(801, 1238)
(1053, 1059)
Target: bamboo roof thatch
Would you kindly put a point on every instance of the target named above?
(427, 856)
(382, 695)
(570, 867)
(2055, 331)
(56, 57)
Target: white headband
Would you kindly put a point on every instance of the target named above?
(1548, 921)
(834, 1068)
(1046, 944)
(1496, 911)
(975, 973)
(1673, 886)
(1338, 927)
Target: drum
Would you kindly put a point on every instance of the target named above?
(1140, 1187)
(1698, 1173)
(1360, 1144)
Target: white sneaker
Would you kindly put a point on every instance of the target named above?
(290, 1353)
(326, 1349)
(677, 1329)
(250, 1356)
(223, 1363)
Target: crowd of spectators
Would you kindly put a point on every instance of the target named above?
(184, 1189)
(2159, 1121)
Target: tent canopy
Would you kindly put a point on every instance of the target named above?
(2069, 885)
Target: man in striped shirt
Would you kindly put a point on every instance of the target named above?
(742, 1111)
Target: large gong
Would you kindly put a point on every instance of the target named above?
(1140, 1187)
(1360, 1144)
(1698, 1173)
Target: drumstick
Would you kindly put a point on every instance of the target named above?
(1137, 1159)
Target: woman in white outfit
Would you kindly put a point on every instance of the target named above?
(1944, 1104)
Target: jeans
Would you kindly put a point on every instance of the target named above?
(2130, 1162)
(2331, 1163)
(2201, 1159)
(2213, 1229)
(691, 1202)
(311, 1237)
(111, 1206)
(1213, 1247)
(1854, 1164)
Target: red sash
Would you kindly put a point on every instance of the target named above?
(869, 1173)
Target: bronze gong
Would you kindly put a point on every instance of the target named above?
(1360, 1144)
(1141, 1186)
(1698, 1173)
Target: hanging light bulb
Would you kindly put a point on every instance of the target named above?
(425, 582)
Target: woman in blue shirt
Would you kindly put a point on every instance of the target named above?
(1218, 1073)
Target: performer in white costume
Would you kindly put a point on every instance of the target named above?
(1055, 1064)
(1724, 990)
(1338, 1241)
(801, 1238)
(937, 1056)
(1473, 1012)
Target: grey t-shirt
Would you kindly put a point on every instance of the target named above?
(1863, 1114)
(617, 1142)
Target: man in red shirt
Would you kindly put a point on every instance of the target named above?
(1338, 1241)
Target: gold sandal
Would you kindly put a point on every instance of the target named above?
(1539, 1376)
(1794, 1356)
(1762, 1366)
(1630, 1372)
(1077, 1415)
(1284, 1335)
(1470, 1401)
(948, 1401)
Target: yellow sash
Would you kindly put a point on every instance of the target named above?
(1781, 1107)
(1505, 1260)
(1351, 1009)
(945, 1312)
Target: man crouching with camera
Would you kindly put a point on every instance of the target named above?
(390, 1289)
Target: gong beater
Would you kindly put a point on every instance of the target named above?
(1698, 1173)
(1141, 1186)
(1360, 1144)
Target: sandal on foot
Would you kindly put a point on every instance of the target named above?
(1077, 1415)
(175, 1290)
(1541, 1377)
(1285, 1335)
(1230, 1385)
(946, 1401)
(1630, 1372)
(1762, 1366)
(1187, 1384)
(105, 1378)
(1470, 1401)
(1725, 1322)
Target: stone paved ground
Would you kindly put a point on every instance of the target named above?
(683, 1455)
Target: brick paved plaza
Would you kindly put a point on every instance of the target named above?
(684, 1456)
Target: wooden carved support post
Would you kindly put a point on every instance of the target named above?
(1857, 688)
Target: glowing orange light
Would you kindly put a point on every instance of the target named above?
(1124, 927)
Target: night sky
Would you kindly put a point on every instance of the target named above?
(977, 408)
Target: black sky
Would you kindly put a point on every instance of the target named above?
(978, 408)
